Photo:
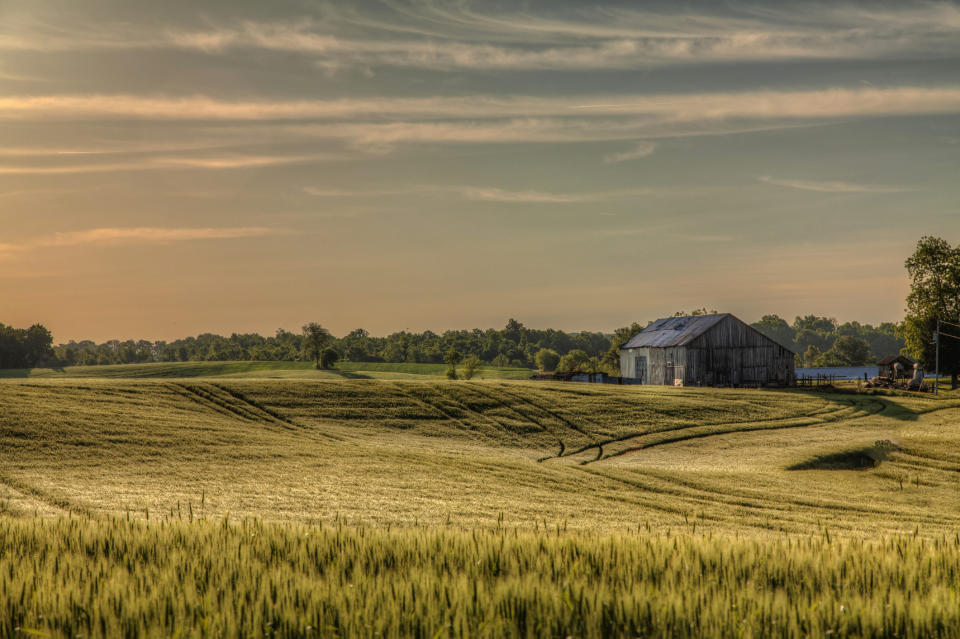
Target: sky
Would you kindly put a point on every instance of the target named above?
(179, 167)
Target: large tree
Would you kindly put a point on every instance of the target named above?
(25, 348)
(934, 270)
(315, 339)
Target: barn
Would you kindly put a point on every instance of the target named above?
(705, 350)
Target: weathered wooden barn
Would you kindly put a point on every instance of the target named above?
(705, 350)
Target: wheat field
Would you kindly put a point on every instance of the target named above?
(220, 506)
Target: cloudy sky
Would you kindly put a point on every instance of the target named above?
(178, 167)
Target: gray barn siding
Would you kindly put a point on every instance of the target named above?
(728, 353)
(734, 353)
(659, 360)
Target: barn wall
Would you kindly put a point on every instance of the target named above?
(733, 353)
(664, 365)
(628, 358)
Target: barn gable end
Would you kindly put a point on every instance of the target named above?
(706, 350)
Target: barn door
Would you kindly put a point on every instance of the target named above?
(640, 368)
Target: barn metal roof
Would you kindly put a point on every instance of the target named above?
(674, 331)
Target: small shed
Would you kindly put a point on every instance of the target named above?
(705, 350)
(887, 367)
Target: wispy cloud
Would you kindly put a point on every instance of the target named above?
(832, 186)
(484, 194)
(487, 194)
(134, 236)
(463, 36)
(770, 105)
(346, 193)
(641, 150)
(162, 163)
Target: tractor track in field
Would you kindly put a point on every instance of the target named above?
(701, 431)
(779, 515)
(769, 424)
(524, 416)
(560, 418)
(233, 404)
(431, 406)
(781, 511)
(905, 457)
(788, 504)
(501, 426)
(49, 499)
(500, 402)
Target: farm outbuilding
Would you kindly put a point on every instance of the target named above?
(896, 366)
(705, 350)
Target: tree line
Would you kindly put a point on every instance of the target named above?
(819, 341)
(933, 268)
(514, 345)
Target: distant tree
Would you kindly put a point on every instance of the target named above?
(315, 339)
(514, 331)
(696, 312)
(849, 351)
(329, 357)
(127, 353)
(885, 339)
(452, 358)
(815, 323)
(934, 270)
(610, 362)
(470, 366)
(777, 329)
(547, 359)
(578, 361)
(806, 337)
(811, 356)
(501, 361)
(25, 348)
(829, 359)
(38, 344)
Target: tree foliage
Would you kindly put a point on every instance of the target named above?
(452, 358)
(815, 340)
(934, 270)
(315, 340)
(25, 347)
(578, 361)
(470, 366)
(547, 359)
(329, 357)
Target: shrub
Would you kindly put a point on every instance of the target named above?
(471, 366)
(547, 359)
(329, 357)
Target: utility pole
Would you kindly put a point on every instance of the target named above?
(936, 343)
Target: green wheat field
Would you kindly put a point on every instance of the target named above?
(237, 499)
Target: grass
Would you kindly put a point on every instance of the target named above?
(260, 370)
(481, 508)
